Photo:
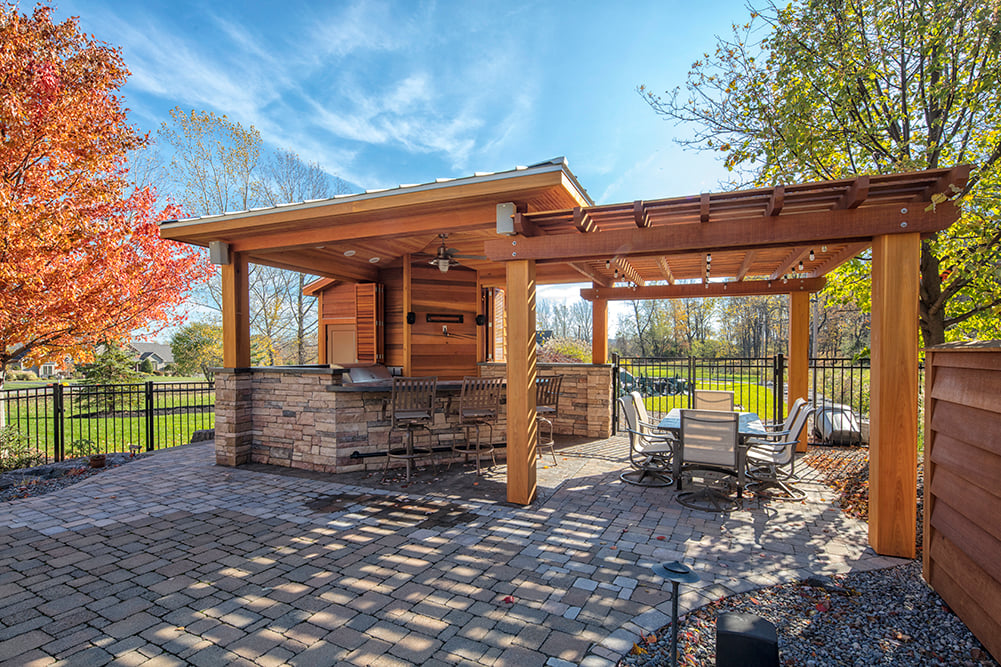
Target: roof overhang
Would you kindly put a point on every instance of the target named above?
(764, 238)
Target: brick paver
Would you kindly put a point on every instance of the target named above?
(172, 560)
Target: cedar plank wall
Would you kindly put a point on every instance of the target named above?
(396, 319)
(452, 293)
(962, 533)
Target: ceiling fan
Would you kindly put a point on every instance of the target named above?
(444, 258)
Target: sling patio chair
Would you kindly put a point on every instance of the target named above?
(770, 459)
(547, 402)
(713, 399)
(651, 452)
(710, 455)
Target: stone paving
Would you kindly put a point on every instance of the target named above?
(172, 560)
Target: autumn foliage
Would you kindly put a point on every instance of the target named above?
(81, 259)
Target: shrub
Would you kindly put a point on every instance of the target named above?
(147, 366)
(82, 447)
(565, 350)
(24, 376)
(14, 451)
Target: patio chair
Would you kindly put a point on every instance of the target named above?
(412, 405)
(479, 405)
(776, 429)
(713, 399)
(767, 457)
(547, 400)
(710, 451)
(651, 453)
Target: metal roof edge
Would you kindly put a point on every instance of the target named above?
(548, 166)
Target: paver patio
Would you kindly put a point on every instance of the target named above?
(173, 560)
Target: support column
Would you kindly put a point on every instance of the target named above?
(599, 330)
(235, 313)
(521, 427)
(408, 329)
(893, 444)
(799, 352)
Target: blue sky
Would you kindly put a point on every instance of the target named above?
(385, 93)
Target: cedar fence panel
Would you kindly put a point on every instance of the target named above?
(962, 537)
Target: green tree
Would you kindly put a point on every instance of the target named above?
(836, 88)
(112, 365)
(146, 367)
(197, 347)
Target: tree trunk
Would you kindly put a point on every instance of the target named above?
(931, 319)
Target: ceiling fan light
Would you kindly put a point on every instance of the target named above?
(442, 264)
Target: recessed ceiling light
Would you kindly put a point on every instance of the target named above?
(373, 259)
(349, 253)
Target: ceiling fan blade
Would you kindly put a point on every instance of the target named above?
(481, 257)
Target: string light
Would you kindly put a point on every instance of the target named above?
(608, 264)
(800, 265)
(812, 256)
(823, 248)
(709, 257)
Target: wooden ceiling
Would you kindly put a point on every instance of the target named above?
(768, 240)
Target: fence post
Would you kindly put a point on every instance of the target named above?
(691, 381)
(615, 393)
(778, 382)
(58, 415)
(150, 431)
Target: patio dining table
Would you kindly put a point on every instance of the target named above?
(749, 424)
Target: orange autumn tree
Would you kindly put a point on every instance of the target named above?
(81, 259)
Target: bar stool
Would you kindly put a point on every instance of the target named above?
(547, 399)
(412, 405)
(479, 405)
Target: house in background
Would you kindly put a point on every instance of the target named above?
(159, 354)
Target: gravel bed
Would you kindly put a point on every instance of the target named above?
(40, 480)
(880, 617)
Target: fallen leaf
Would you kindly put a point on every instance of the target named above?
(509, 599)
(636, 650)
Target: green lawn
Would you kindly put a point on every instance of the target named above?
(111, 425)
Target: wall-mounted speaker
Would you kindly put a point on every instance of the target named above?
(411, 317)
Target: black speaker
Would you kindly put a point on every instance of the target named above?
(411, 317)
(480, 320)
(745, 640)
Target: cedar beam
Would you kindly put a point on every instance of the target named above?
(777, 200)
(699, 290)
(704, 207)
(893, 433)
(593, 276)
(855, 194)
(628, 271)
(524, 226)
(408, 305)
(641, 215)
(331, 267)
(745, 266)
(956, 177)
(665, 269)
(790, 261)
(236, 313)
(796, 229)
(583, 222)
(521, 345)
(839, 258)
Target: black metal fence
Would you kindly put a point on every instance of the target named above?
(67, 421)
(838, 386)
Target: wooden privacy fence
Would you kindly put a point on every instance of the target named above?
(962, 532)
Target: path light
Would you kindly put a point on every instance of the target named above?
(677, 573)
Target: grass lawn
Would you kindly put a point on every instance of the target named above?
(113, 418)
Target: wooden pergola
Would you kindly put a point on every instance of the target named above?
(780, 240)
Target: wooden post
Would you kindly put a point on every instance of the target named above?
(599, 330)
(408, 271)
(521, 427)
(235, 313)
(893, 446)
(799, 353)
